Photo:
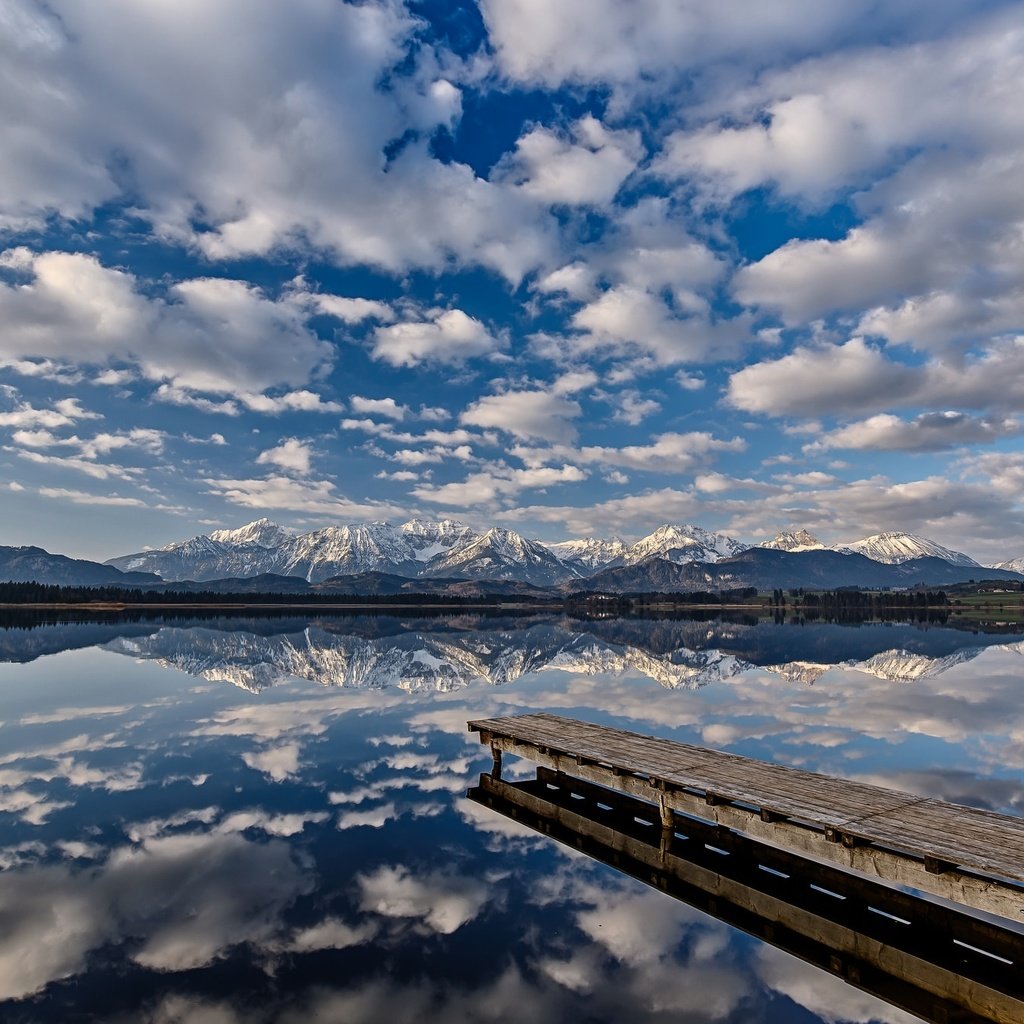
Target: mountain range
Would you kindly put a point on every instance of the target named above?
(448, 557)
(427, 549)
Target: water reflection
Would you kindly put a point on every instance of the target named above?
(451, 652)
(259, 819)
(926, 957)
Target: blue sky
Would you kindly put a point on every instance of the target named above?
(570, 268)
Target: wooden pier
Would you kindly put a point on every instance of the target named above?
(970, 856)
(935, 961)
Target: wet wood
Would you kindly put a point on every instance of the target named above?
(971, 856)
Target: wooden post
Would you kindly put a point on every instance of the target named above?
(496, 767)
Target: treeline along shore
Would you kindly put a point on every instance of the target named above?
(825, 602)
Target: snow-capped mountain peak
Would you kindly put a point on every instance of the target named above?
(448, 548)
(588, 554)
(500, 554)
(262, 532)
(427, 537)
(894, 547)
(798, 540)
(1013, 565)
(686, 543)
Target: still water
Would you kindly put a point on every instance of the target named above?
(264, 819)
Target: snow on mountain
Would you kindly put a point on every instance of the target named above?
(893, 548)
(342, 550)
(263, 533)
(1013, 565)
(440, 661)
(588, 554)
(801, 540)
(428, 538)
(198, 558)
(500, 555)
(686, 543)
(423, 547)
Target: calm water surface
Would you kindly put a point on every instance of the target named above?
(263, 819)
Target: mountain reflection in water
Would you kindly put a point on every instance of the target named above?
(448, 653)
(208, 819)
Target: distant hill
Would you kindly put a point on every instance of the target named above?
(26, 564)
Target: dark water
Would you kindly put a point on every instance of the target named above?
(264, 819)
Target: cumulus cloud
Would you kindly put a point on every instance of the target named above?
(627, 319)
(205, 334)
(858, 377)
(353, 311)
(386, 407)
(814, 380)
(666, 453)
(449, 337)
(932, 262)
(291, 455)
(288, 148)
(63, 413)
(317, 497)
(936, 431)
(585, 166)
(631, 45)
(526, 414)
(576, 280)
(499, 481)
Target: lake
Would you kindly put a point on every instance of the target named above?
(263, 818)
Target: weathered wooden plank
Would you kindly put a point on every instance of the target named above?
(917, 968)
(876, 829)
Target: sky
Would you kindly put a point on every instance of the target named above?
(572, 269)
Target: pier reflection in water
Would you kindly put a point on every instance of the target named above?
(930, 959)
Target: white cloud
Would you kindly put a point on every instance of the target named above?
(630, 407)
(666, 453)
(291, 455)
(386, 407)
(283, 492)
(856, 377)
(485, 487)
(815, 380)
(287, 151)
(173, 395)
(449, 337)
(628, 516)
(443, 901)
(63, 413)
(143, 438)
(279, 762)
(585, 167)
(631, 45)
(205, 334)
(576, 280)
(84, 498)
(526, 414)
(935, 431)
(97, 470)
(353, 311)
(628, 318)
(291, 401)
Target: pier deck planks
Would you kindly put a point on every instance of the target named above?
(944, 835)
